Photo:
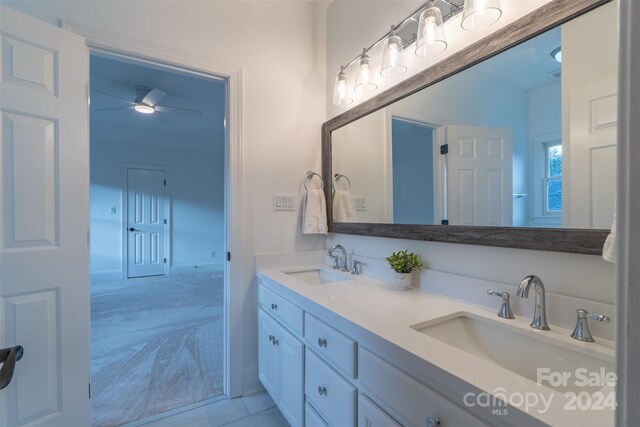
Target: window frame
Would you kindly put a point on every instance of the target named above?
(547, 178)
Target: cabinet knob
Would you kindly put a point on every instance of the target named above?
(275, 341)
(432, 422)
(322, 342)
(270, 337)
(322, 391)
(274, 306)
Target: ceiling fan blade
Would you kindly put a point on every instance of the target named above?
(114, 108)
(153, 97)
(159, 117)
(178, 110)
(113, 96)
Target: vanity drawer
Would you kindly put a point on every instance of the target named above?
(312, 418)
(281, 308)
(328, 392)
(414, 401)
(331, 344)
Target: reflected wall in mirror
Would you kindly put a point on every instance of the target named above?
(520, 139)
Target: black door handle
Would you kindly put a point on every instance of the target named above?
(9, 357)
(133, 229)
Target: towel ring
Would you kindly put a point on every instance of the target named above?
(337, 177)
(309, 176)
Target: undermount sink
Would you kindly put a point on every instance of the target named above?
(318, 276)
(518, 351)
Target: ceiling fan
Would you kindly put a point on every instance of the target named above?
(146, 102)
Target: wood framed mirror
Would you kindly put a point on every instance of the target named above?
(564, 217)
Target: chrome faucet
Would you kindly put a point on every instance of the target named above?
(505, 309)
(540, 313)
(343, 264)
(581, 332)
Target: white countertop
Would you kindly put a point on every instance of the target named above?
(389, 313)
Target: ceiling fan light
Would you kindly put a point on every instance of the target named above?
(144, 108)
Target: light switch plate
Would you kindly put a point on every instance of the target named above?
(360, 203)
(283, 202)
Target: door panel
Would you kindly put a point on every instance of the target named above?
(268, 366)
(291, 352)
(592, 148)
(44, 222)
(479, 173)
(146, 235)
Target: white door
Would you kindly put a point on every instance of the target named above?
(591, 155)
(44, 222)
(479, 176)
(291, 355)
(145, 222)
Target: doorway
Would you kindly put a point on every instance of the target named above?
(158, 240)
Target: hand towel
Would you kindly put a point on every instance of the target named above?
(343, 208)
(609, 252)
(314, 213)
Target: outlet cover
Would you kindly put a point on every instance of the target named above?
(283, 202)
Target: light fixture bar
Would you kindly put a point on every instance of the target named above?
(455, 9)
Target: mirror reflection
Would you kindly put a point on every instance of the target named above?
(524, 139)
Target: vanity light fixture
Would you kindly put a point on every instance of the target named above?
(431, 37)
(393, 64)
(364, 81)
(144, 108)
(480, 14)
(557, 54)
(341, 89)
(430, 40)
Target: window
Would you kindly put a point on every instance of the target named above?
(553, 179)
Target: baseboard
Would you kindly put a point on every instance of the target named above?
(250, 382)
(190, 268)
(106, 275)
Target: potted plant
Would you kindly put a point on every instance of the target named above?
(403, 263)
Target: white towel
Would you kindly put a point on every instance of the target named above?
(314, 213)
(343, 208)
(609, 252)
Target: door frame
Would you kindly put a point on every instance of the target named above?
(103, 42)
(124, 261)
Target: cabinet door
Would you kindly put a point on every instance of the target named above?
(370, 415)
(291, 353)
(268, 366)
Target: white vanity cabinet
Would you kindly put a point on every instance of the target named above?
(322, 376)
(281, 361)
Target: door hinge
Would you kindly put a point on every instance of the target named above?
(444, 149)
(165, 260)
(165, 182)
(89, 390)
(165, 221)
(444, 222)
(228, 256)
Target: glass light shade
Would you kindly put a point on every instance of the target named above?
(341, 90)
(479, 14)
(431, 37)
(144, 108)
(364, 80)
(557, 54)
(392, 59)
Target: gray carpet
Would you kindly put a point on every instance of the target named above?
(156, 344)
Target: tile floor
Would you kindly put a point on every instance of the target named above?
(256, 410)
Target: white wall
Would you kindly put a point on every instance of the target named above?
(349, 28)
(280, 46)
(195, 188)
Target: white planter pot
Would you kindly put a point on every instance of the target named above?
(402, 281)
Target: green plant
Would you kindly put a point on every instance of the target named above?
(404, 261)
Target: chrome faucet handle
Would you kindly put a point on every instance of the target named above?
(505, 310)
(357, 267)
(581, 332)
